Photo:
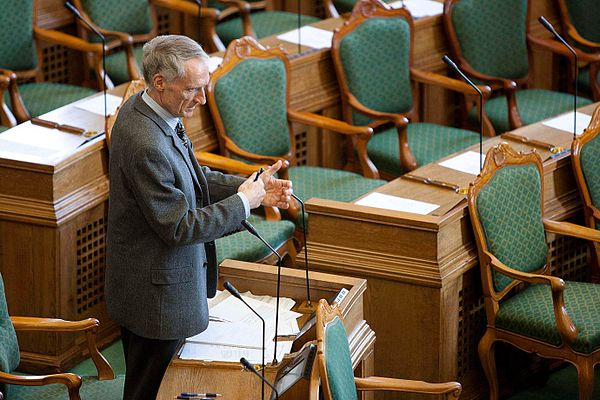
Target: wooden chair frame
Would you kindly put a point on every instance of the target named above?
(497, 157)
(70, 380)
(93, 50)
(6, 116)
(506, 86)
(363, 10)
(571, 33)
(327, 314)
(591, 212)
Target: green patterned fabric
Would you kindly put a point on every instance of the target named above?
(17, 47)
(91, 389)
(531, 313)
(375, 58)
(265, 23)
(509, 210)
(131, 16)
(3, 128)
(534, 105)
(251, 99)
(338, 362)
(492, 37)
(245, 247)
(428, 142)
(116, 65)
(584, 15)
(590, 165)
(9, 351)
(40, 98)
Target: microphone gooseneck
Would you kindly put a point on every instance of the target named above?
(253, 231)
(553, 31)
(246, 364)
(305, 247)
(235, 293)
(455, 68)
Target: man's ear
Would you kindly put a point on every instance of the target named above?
(158, 81)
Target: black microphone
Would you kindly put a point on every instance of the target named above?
(455, 68)
(253, 231)
(251, 368)
(235, 293)
(305, 248)
(550, 28)
(78, 15)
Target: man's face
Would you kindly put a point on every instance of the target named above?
(181, 96)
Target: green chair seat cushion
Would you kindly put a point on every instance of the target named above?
(91, 388)
(40, 98)
(338, 362)
(265, 23)
(534, 105)
(428, 142)
(116, 65)
(245, 247)
(530, 313)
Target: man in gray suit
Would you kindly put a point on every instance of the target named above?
(165, 212)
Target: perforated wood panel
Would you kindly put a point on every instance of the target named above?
(301, 147)
(164, 22)
(569, 258)
(471, 322)
(55, 64)
(91, 256)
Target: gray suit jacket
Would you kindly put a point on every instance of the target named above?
(165, 211)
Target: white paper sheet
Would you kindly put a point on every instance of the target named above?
(387, 202)
(208, 352)
(53, 140)
(564, 122)
(420, 8)
(96, 104)
(213, 63)
(309, 36)
(467, 162)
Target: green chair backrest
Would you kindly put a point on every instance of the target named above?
(492, 36)
(338, 362)
(9, 347)
(509, 210)
(131, 16)
(251, 99)
(584, 14)
(375, 58)
(17, 46)
(590, 166)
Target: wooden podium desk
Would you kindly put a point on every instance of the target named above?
(228, 378)
(423, 295)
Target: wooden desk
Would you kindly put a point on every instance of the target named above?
(423, 295)
(228, 378)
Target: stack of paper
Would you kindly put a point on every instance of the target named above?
(235, 331)
(565, 122)
(420, 8)
(309, 36)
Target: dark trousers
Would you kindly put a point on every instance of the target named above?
(146, 361)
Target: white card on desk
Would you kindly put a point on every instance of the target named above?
(395, 203)
(213, 63)
(467, 162)
(96, 104)
(309, 36)
(420, 8)
(564, 122)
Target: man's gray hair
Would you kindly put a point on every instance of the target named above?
(166, 54)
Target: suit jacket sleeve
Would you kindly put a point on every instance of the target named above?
(221, 185)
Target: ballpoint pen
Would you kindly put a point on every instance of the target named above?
(260, 171)
(192, 395)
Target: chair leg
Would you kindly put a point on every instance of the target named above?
(488, 362)
(585, 375)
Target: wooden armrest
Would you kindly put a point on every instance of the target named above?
(187, 8)
(72, 381)
(397, 119)
(67, 40)
(560, 49)
(573, 34)
(320, 121)
(448, 83)
(570, 229)
(403, 385)
(227, 164)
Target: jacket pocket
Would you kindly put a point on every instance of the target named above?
(173, 275)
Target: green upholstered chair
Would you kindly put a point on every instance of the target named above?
(524, 304)
(248, 97)
(585, 158)
(578, 20)
(490, 42)
(372, 54)
(21, 58)
(336, 366)
(129, 24)
(252, 18)
(56, 386)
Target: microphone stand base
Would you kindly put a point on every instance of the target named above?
(307, 308)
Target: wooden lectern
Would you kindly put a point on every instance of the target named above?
(228, 378)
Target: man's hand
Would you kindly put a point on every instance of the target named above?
(277, 191)
(253, 190)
